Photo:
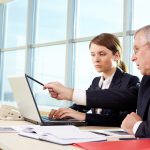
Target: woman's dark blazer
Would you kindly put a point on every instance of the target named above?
(117, 101)
(143, 108)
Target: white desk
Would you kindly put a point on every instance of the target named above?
(12, 141)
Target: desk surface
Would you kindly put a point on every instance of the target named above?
(12, 141)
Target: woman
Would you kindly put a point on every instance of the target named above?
(115, 91)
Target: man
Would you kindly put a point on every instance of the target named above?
(139, 124)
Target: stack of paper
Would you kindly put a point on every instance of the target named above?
(60, 134)
(114, 134)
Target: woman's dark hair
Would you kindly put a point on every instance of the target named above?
(112, 43)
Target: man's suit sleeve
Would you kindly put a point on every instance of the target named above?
(115, 98)
(143, 130)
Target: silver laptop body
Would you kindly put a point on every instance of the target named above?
(27, 104)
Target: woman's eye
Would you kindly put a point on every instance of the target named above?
(102, 54)
(99, 54)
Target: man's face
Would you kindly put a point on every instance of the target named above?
(141, 54)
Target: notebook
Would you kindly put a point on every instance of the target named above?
(55, 134)
(27, 104)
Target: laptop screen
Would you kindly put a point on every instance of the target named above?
(41, 97)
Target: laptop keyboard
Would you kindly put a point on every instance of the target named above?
(64, 121)
(52, 119)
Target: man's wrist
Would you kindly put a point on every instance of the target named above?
(136, 125)
(79, 97)
(69, 94)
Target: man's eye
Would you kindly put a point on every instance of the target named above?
(135, 52)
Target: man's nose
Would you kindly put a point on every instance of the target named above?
(133, 58)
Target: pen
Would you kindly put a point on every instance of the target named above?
(99, 133)
(127, 138)
(34, 80)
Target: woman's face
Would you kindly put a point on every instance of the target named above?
(103, 58)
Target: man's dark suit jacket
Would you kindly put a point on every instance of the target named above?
(143, 108)
(117, 101)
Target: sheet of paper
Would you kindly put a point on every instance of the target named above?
(64, 141)
(7, 129)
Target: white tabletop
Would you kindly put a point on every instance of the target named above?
(12, 141)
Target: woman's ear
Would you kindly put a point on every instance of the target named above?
(116, 56)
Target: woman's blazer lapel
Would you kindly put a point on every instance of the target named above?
(116, 81)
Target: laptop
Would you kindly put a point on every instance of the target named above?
(27, 104)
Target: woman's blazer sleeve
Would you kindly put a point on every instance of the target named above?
(80, 108)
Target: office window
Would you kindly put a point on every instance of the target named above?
(50, 63)
(49, 66)
(94, 17)
(51, 20)
(14, 64)
(140, 19)
(84, 70)
(141, 15)
(16, 23)
(52, 40)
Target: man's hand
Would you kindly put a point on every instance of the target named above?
(130, 121)
(65, 113)
(59, 91)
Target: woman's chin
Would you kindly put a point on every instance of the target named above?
(99, 70)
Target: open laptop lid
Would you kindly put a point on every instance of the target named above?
(25, 99)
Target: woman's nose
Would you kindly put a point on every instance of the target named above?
(96, 59)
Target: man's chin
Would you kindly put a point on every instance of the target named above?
(143, 72)
(146, 73)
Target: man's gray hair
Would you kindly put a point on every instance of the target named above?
(146, 31)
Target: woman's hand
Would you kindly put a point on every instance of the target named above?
(65, 113)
